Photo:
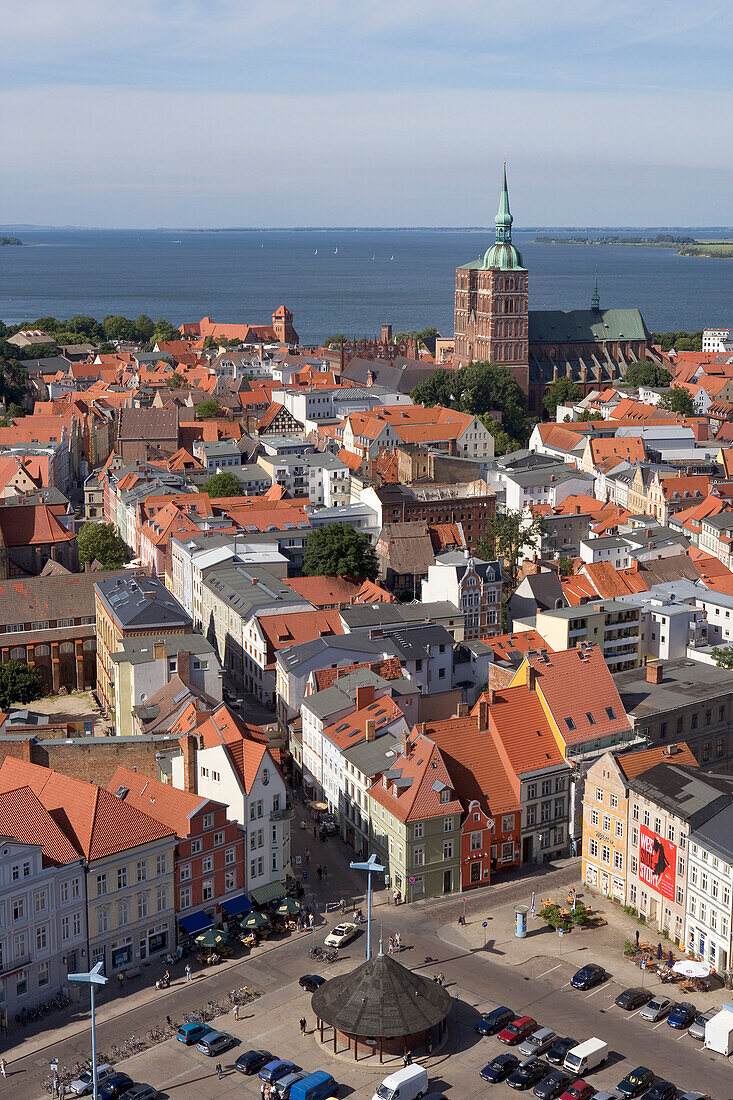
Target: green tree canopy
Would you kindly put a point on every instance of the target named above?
(415, 334)
(507, 536)
(176, 381)
(335, 340)
(478, 388)
(681, 341)
(646, 373)
(562, 392)
(119, 328)
(723, 656)
(503, 442)
(678, 401)
(208, 408)
(163, 330)
(103, 542)
(19, 683)
(339, 550)
(223, 485)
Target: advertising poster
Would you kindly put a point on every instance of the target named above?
(657, 862)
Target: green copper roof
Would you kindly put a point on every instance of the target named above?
(595, 300)
(502, 255)
(562, 326)
(503, 217)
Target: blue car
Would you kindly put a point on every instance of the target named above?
(192, 1033)
(276, 1069)
(682, 1015)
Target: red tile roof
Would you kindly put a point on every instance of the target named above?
(506, 646)
(594, 698)
(421, 770)
(296, 627)
(351, 729)
(245, 752)
(634, 763)
(474, 764)
(24, 817)
(31, 525)
(518, 722)
(161, 801)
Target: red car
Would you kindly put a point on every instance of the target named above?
(517, 1030)
(579, 1091)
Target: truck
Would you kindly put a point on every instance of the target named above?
(719, 1032)
(586, 1056)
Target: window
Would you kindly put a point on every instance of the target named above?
(75, 887)
(447, 849)
(635, 811)
(418, 857)
(531, 815)
(634, 865)
(546, 786)
(142, 905)
(620, 829)
(614, 801)
(196, 847)
(670, 832)
(161, 863)
(559, 807)
(605, 854)
(230, 856)
(507, 823)
(208, 821)
(632, 894)
(531, 790)
(606, 823)
(545, 811)
(21, 984)
(76, 923)
(647, 819)
(476, 842)
(230, 880)
(593, 848)
(161, 899)
(184, 897)
(679, 895)
(599, 794)
(418, 831)
(64, 929)
(658, 825)
(218, 838)
(618, 861)
(570, 723)
(594, 818)
(446, 794)
(141, 868)
(507, 852)
(447, 824)
(101, 885)
(185, 872)
(610, 714)
(207, 865)
(123, 911)
(102, 919)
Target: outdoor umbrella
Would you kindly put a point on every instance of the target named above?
(253, 922)
(670, 960)
(212, 937)
(690, 968)
(659, 951)
(288, 907)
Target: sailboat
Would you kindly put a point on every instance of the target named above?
(316, 252)
(335, 251)
(391, 257)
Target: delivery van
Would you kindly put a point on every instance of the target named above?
(586, 1056)
(410, 1083)
(316, 1086)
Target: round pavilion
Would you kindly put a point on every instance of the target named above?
(382, 1007)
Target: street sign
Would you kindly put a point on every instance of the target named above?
(411, 880)
(560, 932)
(485, 924)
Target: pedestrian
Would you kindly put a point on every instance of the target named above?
(441, 978)
(319, 872)
(120, 980)
(325, 871)
(302, 1025)
(3, 1067)
(236, 1012)
(169, 1022)
(429, 1044)
(55, 1084)
(637, 939)
(262, 1091)
(315, 832)
(62, 1091)
(390, 949)
(310, 921)
(397, 941)
(219, 1070)
(307, 855)
(188, 972)
(342, 903)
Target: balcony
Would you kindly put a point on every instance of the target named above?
(283, 815)
(16, 964)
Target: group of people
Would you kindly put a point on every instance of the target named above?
(395, 944)
(164, 981)
(305, 920)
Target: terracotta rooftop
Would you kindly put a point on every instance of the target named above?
(517, 720)
(509, 646)
(24, 817)
(474, 764)
(634, 763)
(593, 708)
(161, 801)
(411, 790)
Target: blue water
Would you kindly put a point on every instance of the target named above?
(406, 278)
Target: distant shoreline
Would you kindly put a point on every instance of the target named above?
(683, 246)
(10, 242)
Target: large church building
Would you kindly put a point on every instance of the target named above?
(493, 323)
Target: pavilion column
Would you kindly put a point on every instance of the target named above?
(79, 653)
(5, 652)
(55, 666)
(320, 1024)
(334, 1040)
(30, 655)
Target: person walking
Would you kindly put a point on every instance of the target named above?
(397, 941)
(3, 1067)
(390, 949)
(325, 871)
(311, 921)
(315, 832)
(188, 972)
(262, 1091)
(319, 872)
(441, 978)
(236, 1012)
(302, 1025)
(219, 1071)
(307, 855)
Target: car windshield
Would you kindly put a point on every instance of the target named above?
(385, 1093)
(514, 1028)
(655, 1003)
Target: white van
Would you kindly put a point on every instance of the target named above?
(410, 1083)
(586, 1056)
(84, 1083)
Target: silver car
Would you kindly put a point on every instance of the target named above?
(656, 1009)
(538, 1042)
(697, 1028)
(608, 1094)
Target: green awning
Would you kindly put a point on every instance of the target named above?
(272, 891)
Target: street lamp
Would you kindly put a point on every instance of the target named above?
(370, 866)
(94, 978)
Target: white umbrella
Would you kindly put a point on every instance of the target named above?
(691, 968)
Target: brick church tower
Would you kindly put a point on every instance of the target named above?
(282, 323)
(491, 310)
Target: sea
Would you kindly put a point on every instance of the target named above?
(340, 280)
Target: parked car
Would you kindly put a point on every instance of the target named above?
(527, 1073)
(214, 1043)
(588, 976)
(494, 1021)
(84, 1083)
(581, 1090)
(192, 1033)
(682, 1014)
(553, 1084)
(538, 1042)
(558, 1050)
(695, 1096)
(140, 1092)
(697, 1027)
(499, 1068)
(517, 1030)
(608, 1094)
(252, 1061)
(114, 1086)
(341, 934)
(635, 1082)
(632, 998)
(311, 982)
(660, 1090)
(282, 1086)
(274, 1069)
(656, 1009)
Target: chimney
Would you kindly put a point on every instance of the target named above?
(370, 730)
(654, 672)
(406, 743)
(531, 678)
(188, 747)
(483, 710)
(463, 710)
(364, 696)
(159, 651)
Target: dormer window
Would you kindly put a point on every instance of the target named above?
(446, 794)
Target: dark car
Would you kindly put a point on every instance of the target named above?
(311, 982)
(660, 1090)
(553, 1084)
(635, 1082)
(558, 1050)
(252, 1061)
(632, 998)
(682, 1014)
(527, 1073)
(494, 1021)
(141, 1092)
(588, 976)
(499, 1068)
(114, 1086)
(517, 1030)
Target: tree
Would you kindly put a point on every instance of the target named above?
(565, 564)
(646, 373)
(590, 417)
(477, 388)
(723, 656)
(19, 683)
(222, 485)
(419, 335)
(163, 330)
(678, 401)
(507, 536)
(681, 341)
(119, 328)
(103, 542)
(503, 442)
(334, 341)
(562, 392)
(144, 327)
(439, 388)
(176, 381)
(339, 550)
(207, 408)
(105, 348)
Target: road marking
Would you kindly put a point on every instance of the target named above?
(593, 993)
(549, 971)
(566, 986)
(658, 1025)
(682, 1036)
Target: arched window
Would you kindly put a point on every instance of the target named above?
(90, 643)
(66, 647)
(17, 653)
(41, 651)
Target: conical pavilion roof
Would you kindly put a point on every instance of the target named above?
(381, 998)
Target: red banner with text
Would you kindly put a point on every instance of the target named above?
(657, 862)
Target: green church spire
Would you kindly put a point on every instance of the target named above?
(595, 301)
(503, 220)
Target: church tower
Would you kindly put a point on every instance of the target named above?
(491, 305)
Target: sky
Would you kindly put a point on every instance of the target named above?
(198, 113)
